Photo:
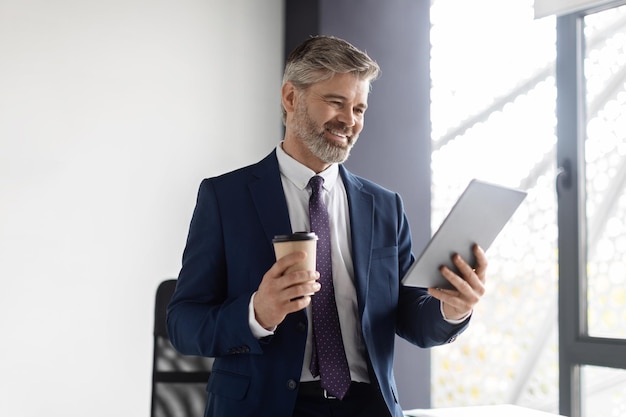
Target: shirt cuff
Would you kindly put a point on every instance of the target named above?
(258, 331)
(458, 321)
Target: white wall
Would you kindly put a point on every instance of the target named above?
(111, 112)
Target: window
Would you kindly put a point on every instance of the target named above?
(591, 150)
(494, 107)
(605, 165)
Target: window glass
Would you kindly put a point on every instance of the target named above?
(605, 161)
(493, 118)
(604, 392)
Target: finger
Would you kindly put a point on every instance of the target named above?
(466, 271)
(442, 294)
(468, 274)
(481, 262)
(296, 284)
(457, 282)
(311, 287)
(282, 264)
(299, 303)
(299, 295)
(451, 298)
(295, 278)
(308, 289)
(469, 288)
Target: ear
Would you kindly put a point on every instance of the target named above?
(289, 96)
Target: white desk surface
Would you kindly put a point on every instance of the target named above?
(480, 411)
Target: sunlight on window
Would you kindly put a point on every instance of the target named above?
(605, 157)
(493, 117)
(604, 392)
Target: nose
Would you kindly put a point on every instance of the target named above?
(347, 117)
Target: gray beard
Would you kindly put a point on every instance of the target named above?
(324, 149)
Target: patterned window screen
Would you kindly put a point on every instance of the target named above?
(493, 117)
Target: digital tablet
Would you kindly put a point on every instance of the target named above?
(478, 216)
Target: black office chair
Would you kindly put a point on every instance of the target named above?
(178, 381)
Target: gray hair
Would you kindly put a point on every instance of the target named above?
(320, 57)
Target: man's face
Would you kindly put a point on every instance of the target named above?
(329, 115)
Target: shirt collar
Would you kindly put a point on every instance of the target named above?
(300, 174)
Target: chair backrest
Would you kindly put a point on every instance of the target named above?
(178, 381)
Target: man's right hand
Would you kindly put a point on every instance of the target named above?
(282, 293)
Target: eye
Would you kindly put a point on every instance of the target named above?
(360, 111)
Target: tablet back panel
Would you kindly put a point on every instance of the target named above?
(478, 216)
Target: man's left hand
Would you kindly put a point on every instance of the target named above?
(468, 289)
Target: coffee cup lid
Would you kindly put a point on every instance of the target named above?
(295, 236)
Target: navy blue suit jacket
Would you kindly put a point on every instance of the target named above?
(229, 249)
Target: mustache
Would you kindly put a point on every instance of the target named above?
(339, 127)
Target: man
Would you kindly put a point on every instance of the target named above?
(236, 303)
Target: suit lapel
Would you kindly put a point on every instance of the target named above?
(269, 198)
(361, 206)
(271, 206)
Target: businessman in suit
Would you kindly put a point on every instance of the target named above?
(235, 302)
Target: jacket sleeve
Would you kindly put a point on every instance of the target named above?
(419, 318)
(201, 308)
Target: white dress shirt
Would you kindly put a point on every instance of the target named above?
(295, 178)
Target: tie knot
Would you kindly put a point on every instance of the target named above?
(316, 183)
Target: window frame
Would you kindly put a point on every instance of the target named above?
(576, 347)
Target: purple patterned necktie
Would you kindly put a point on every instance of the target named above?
(328, 358)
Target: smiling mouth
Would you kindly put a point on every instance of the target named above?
(338, 134)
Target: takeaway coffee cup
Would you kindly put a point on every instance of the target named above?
(304, 241)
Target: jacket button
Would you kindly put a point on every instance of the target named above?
(291, 384)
